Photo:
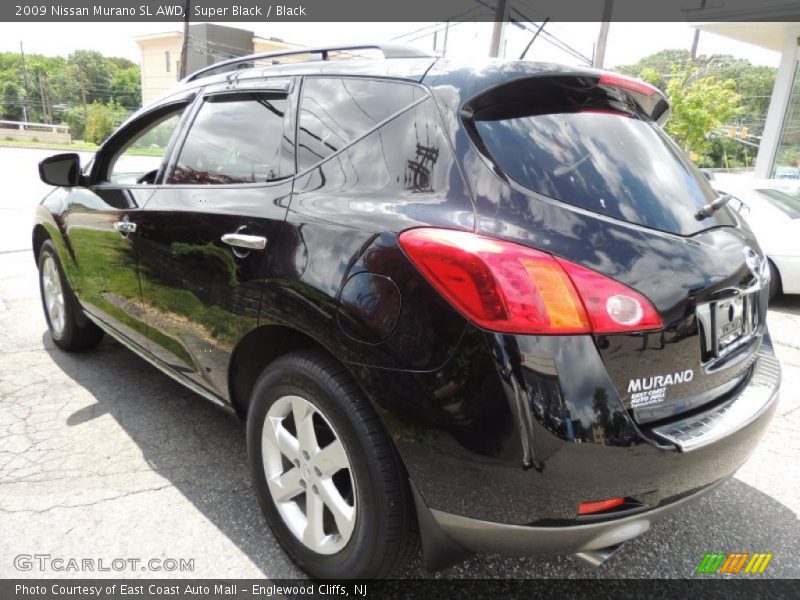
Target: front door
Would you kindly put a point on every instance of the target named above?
(103, 219)
(207, 233)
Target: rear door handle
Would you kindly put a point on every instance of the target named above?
(125, 227)
(241, 240)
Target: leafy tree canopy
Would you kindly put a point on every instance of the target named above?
(64, 89)
(709, 96)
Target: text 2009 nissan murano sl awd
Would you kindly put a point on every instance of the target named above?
(485, 307)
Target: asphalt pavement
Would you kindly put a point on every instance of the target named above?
(103, 457)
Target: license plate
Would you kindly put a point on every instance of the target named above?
(726, 325)
(729, 321)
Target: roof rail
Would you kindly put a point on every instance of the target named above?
(389, 51)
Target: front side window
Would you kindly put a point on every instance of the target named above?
(235, 139)
(335, 111)
(139, 160)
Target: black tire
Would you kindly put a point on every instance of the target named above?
(774, 281)
(385, 534)
(77, 333)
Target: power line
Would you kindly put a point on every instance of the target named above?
(456, 19)
(546, 35)
(549, 36)
(533, 39)
(443, 27)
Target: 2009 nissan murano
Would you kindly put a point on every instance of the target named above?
(489, 307)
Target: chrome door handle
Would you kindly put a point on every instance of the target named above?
(125, 227)
(241, 240)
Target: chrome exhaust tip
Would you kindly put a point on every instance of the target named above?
(595, 558)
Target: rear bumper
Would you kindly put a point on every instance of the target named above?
(746, 406)
(476, 536)
(682, 461)
(537, 427)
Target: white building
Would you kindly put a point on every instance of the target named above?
(208, 44)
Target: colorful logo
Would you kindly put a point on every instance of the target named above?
(734, 563)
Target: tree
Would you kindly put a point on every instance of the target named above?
(701, 92)
(659, 65)
(67, 81)
(73, 117)
(699, 107)
(126, 86)
(753, 83)
(12, 101)
(96, 71)
(102, 120)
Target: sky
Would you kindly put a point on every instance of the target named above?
(627, 42)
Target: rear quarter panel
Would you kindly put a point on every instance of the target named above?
(343, 219)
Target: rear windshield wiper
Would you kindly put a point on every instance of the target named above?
(710, 209)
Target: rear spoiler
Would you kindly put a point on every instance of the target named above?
(648, 97)
(567, 91)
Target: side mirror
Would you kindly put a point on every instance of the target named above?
(61, 170)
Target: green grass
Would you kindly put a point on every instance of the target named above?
(76, 146)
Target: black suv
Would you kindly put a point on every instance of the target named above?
(491, 307)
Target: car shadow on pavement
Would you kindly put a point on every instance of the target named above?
(200, 450)
(786, 303)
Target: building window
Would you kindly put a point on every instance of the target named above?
(166, 56)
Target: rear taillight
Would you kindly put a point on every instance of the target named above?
(612, 306)
(506, 287)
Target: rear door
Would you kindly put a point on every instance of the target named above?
(207, 233)
(103, 218)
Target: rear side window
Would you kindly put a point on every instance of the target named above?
(235, 139)
(606, 161)
(335, 111)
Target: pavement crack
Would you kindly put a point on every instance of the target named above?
(85, 504)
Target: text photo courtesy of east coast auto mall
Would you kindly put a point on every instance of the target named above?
(378, 299)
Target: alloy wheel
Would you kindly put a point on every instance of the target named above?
(309, 474)
(53, 295)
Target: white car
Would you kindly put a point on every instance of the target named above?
(772, 209)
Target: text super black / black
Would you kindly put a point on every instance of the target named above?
(485, 306)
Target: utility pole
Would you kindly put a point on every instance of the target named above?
(28, 107)
(49, 97)
(44, 87)
(185, 45)
(500, 19)
(696, 39)
(446, 31)
(602, 38)
(84, 83)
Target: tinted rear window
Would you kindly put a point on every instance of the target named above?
(335, 111)
(609, 162)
